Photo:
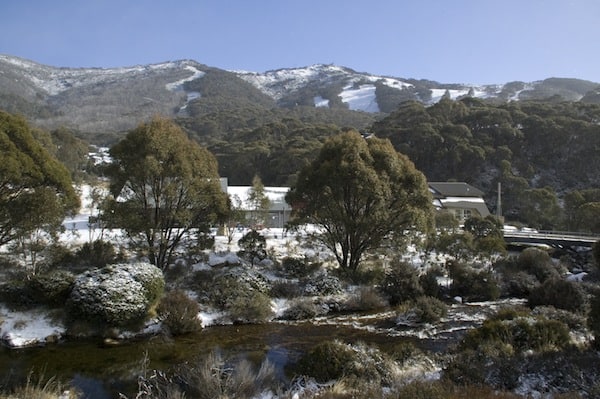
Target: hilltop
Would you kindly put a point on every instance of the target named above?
(111, 100)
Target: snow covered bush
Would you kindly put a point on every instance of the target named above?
(322, 285)
(116, 294)
(241, 293)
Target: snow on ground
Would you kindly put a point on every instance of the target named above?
(321, 102)
(178, 85)
(361, 99)
(33, 327)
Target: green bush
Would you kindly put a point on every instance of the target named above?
(253, 246)
(538, 263)
(517, 336)
(332, 360)
(471, 284)
(594, 319)
(518, 284)
(51, 288)
(252, 307)
(422, 310)
(429, 309)
(365, 299)
(429, 282)
(286, 289)
(561, 294)
(179, 313)
(401, 283)
(295, 267)
(302, 309)
(96, 254)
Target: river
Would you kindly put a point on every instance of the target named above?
(102, 372)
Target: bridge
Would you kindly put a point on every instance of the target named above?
(569, 241)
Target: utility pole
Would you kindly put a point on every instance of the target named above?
(499, 204)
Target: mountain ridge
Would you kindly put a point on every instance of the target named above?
(102, 100)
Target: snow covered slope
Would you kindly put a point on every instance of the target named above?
(118, 99)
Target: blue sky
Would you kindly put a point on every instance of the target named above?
(450, 41)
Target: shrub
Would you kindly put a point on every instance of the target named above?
(253, 245)
(471, 284)
(223, 289)
(561, 294)
(100, 295)
(302, 309)
(295, 267)
(401, 283)
(179, 313)
(322, 285)
(286, 289)
(332, 360)
(423, 310)
(50, 288)
(519, 284)
(429, 282)
(96, 254)
(538, 263)
(213, 376)
(575, 321)
(253, 307)
(518, 335)
(594, 319)
(365, 299)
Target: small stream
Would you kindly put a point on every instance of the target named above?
(102, 372)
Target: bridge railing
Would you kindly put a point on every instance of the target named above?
(553, 234)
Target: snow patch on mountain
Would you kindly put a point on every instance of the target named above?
(321, 102)
(278, 83)
(471, 91)
(53, 80)
(361, 98)
(178, 85)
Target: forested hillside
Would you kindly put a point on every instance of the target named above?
(545, 154)
(539, 151)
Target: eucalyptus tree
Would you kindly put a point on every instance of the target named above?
(164, 187)
(36, 191)
(259, 202)
(359, 192)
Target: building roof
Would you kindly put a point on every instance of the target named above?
(453, 189)
(275, 194)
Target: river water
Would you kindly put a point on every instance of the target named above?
(102, 372)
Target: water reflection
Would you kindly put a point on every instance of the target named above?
(102, 372)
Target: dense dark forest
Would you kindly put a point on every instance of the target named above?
(545, 154)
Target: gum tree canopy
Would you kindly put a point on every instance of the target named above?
(164, 187)
(36, 191)
(358, 192)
